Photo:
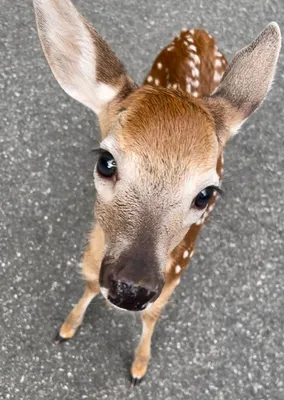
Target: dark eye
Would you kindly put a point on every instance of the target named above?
(106, 165)
(203, 197)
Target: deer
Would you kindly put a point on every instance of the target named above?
(159, 164)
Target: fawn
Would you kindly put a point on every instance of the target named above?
(160, 161)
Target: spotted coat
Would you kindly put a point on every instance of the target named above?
(193, 63)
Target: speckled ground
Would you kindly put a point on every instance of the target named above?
(221, 336)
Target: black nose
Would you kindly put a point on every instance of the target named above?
(130, 296)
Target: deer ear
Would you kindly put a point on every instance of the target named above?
(83, 64)
(245, 82)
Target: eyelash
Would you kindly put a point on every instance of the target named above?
(97, 151)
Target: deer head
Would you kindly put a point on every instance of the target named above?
(160, 146)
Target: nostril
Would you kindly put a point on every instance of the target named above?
(119, 289)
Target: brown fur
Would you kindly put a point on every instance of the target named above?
(174, 114)
(173, 127)
(178, 60)
(155, 117)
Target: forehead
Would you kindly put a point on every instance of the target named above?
(169, 130)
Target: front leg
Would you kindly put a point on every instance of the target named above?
(149, 318)
(90, 269)
(76, 316)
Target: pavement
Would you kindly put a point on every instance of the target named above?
(221, 335)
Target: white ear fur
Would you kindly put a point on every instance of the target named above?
(247, 79)
(83, 64)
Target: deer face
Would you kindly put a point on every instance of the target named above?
(149, 191)
(156, 167)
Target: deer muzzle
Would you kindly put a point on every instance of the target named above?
(130, 283)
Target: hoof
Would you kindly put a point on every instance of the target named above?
(136, 381)
(59, 339)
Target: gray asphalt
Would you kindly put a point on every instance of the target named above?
(221, 335)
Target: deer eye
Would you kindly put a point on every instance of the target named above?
(106, 165)
(203, 197)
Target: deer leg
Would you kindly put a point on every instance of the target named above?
(90, 270)
(75, 318)
(149, 318)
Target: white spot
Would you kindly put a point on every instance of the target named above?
(188, 79)
(223, 61)
(218, 54)
(195, 58)
(184, 30)
(195, 94)
(157, 82)
(175, 86)
(185, 254)
(221, 171)
(170, 48)
(169, 85)
(209, 36)
(178, 281)
(217, 76)
(189, 39)
(188, 87)
(178, 269)
(191, 31)
(196, 72)
(191, 254)
(150, 78)
(159, 65)
(198, 222)
(215, 194)
(193, 47)
(222, 159)
(185, 43)
(218, 63)
(191, 64)
(195, 83)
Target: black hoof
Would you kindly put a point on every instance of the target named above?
(136, 381)
(59, 339)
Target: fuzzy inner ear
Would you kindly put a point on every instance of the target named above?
(81, 61)
(245, 82)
